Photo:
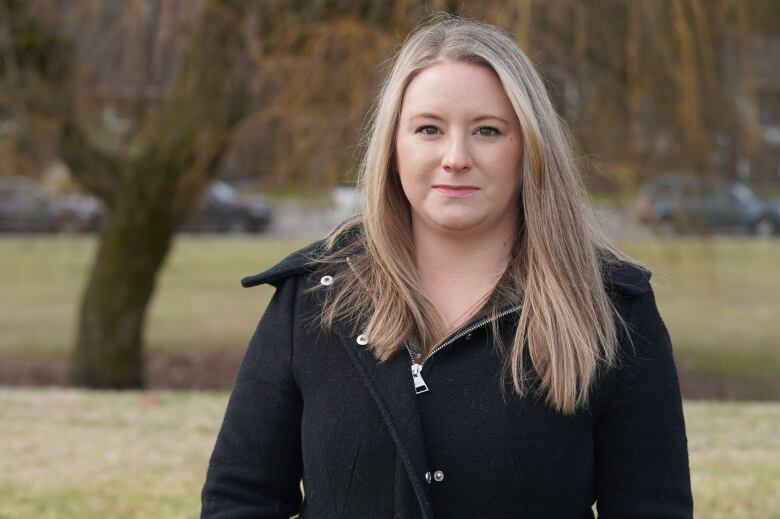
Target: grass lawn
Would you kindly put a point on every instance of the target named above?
(78, 454)
(720, 299)
(198, 304)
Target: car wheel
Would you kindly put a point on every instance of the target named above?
(255, 226)
(764, 228)
(70, 225)
(237, 226)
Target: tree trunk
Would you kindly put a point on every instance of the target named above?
(109, 349)
(148, 187)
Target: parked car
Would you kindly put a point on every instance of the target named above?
(223, 209)
(26, 207)
(79, 213)
(684, 203)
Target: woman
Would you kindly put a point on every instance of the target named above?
(468, 346)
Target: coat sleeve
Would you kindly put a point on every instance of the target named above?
(255, 468)
(642, 469)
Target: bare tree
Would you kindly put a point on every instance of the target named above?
(149, 182)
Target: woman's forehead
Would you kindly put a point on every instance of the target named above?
(456, 88)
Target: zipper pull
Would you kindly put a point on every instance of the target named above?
(419, 383)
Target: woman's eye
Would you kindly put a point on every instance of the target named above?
(484, 131)
(425, 130)
(488, 131)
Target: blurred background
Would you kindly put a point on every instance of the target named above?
(153, 152)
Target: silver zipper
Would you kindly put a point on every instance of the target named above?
(419, 384)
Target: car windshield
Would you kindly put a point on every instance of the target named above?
(223, 192)
(743, 193)
(30, 196)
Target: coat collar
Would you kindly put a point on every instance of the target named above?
(296, 263)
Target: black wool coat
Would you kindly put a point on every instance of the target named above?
(318, 407)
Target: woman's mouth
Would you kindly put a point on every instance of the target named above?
(455, 191)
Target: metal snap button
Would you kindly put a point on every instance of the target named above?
(326, 280)
(362, 340)
(428, 477)
(438, 475)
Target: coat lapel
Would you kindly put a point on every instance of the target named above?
(391, 387)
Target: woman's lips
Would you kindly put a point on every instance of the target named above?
(455, 191)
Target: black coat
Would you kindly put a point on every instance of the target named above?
(319, 407)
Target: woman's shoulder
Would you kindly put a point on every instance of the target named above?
(625, 278)
(309, 259)
(295, 264)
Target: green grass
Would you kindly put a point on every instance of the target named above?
(79, 454)
(719, 297)
(199, 303)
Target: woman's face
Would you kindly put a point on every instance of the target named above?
(459, 149)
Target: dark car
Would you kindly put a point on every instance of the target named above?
(223, 209)
(684, 203)
(79, 213)
(26, 207)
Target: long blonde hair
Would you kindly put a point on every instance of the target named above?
(566, 321)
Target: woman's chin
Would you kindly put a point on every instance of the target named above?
(453, 221)
(460, 224)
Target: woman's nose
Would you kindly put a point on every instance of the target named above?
(456, 158)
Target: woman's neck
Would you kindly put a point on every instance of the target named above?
(453, 256)
(458, 272)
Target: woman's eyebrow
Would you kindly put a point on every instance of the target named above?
(483, 117)
(428, 115)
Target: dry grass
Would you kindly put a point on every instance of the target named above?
(78, 454)
(735, 459)
(120, 455)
